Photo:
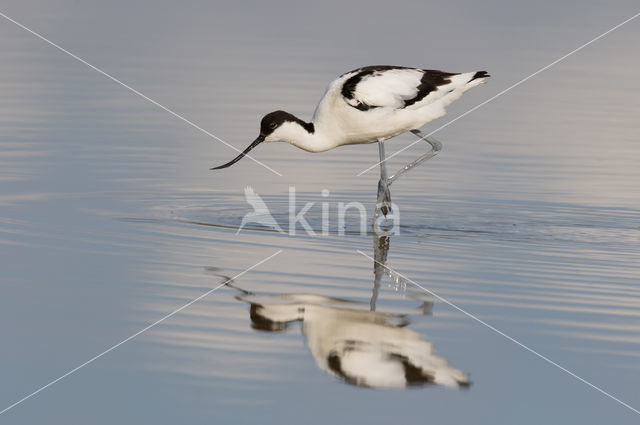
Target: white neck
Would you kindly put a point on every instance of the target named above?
(299, 136)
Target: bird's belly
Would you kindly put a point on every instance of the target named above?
(342, 124)
(374, 126)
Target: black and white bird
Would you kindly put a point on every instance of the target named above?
(368, 105)
(362, 348)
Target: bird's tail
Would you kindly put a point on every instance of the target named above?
(475, 79)
(480, 74)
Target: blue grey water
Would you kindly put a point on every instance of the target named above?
(110, 218)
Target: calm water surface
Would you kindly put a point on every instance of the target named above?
(110, 219)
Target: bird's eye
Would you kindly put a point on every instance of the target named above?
(273, 125)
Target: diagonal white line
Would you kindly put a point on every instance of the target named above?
(499, 332)
(112, 78)
(23, 399)
(504, 91)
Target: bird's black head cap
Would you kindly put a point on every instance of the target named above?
(275, 119)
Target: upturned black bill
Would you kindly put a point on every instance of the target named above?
(255, 143)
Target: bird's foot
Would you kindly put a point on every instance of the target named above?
(384, 198)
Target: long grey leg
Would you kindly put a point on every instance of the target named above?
(436, 147)
(383, 157)
(383, 202)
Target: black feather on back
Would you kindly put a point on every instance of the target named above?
(430, 81)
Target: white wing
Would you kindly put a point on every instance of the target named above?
(397, 87)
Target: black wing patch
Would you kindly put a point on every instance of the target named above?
(430, 81)
(349, 86)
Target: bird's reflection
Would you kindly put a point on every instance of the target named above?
(360, 347)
